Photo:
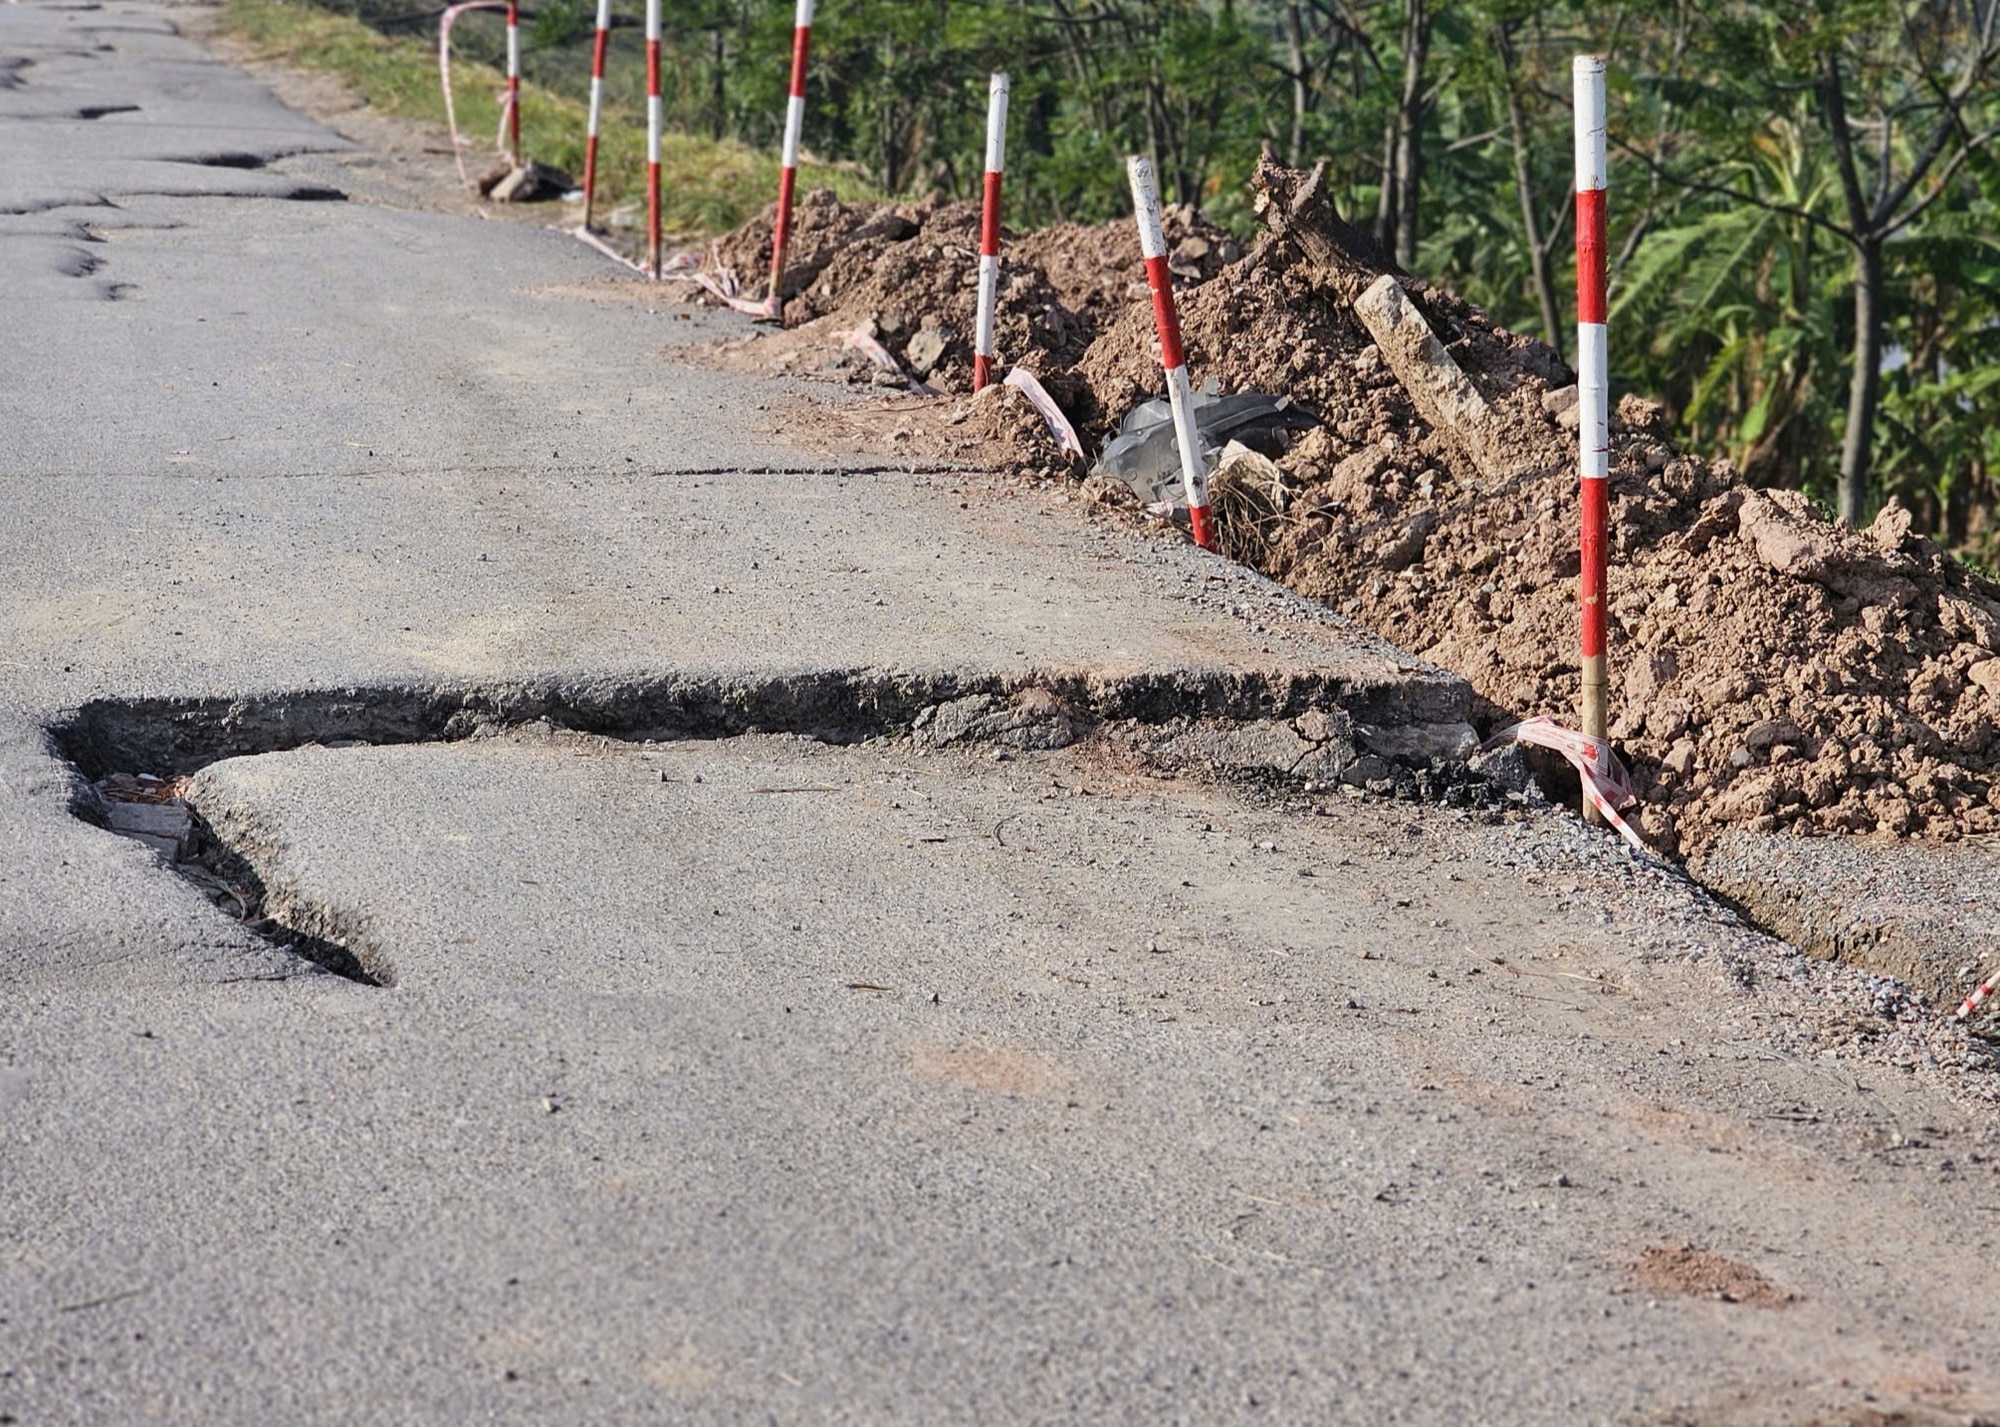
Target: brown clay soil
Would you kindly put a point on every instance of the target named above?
(908, 275)
(1682, 1270)
(1771, 671)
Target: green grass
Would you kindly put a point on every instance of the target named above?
(706, 185)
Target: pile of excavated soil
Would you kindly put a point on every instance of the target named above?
(908, 275)
(1771, 671)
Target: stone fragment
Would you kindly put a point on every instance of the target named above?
(1352, 481)
(1033, 719)
(1368, 770)
(1420, 742)
(927, 349)
(1324, 725)
(1439, 388)
(532, 182)
(164, 827)
(1408, 548)
(1891, 527)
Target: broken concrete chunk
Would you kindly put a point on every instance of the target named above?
(1369, 770)
(949, 722)
(1034, 719)
(1420, 742)
(927, 348)
(164, 827)
(532, 182)
(1324, 725)
(1442, 393)
(1325, 765)
(1506, 766)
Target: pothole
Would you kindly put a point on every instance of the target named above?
(1295, 735)
(154, 811)
(232, 158)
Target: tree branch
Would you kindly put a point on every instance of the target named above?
(1696, 185)
(1833, 95)
(1972, 145)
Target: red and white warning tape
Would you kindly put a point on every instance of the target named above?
(1024, 381)
(598, 47)
(1606, 785)
(989, 231)
(1153, 246)
(1979, 995)
(444, 78)
(589, 238)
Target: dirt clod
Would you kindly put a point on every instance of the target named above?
(1682, 1270)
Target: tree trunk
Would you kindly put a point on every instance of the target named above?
(1864, 388)
(1295, 43)
(1385, 199)
(1531, 228)
(719, 95)
(1410, 130)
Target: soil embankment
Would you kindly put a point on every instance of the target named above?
(1774, 671)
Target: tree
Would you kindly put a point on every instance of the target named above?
(1903, 96)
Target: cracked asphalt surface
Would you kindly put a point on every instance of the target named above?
(758, 1077)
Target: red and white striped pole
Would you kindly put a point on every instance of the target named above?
(1593, 381)
(989, 231)
(514, 79)
(596, 107)
(1978, 997)
(1153, 246)
(795, 120)
(653, 118)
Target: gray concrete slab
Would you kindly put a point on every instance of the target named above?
(763, 1080)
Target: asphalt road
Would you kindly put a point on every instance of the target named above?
(787, 1067)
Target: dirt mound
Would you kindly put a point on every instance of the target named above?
(908, 274)
(1770, 670)
(1683, 1270)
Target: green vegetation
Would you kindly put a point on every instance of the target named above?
(1805, 259)
(707, 185)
